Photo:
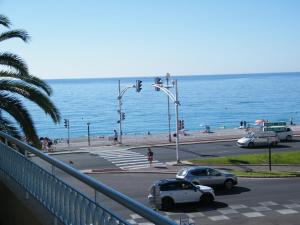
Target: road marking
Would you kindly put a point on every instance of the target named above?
(193, 215)
(253, 214)
(238, 206)
(126, 159)
(269, 203)
(227, 211)
(286, 211)
(260, 208)
(292, 206)
(217, 218)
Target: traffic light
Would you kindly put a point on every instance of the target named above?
(158, 81)
(123, 116)
(138, 85)
(66, 123)
(180, 124)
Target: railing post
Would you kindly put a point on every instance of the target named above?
(53, 170)
(26, 194)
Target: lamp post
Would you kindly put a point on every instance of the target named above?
(169, 115)
(88, 127)
(159, 86)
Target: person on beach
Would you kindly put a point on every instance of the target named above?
(150, 156)
(115, 137)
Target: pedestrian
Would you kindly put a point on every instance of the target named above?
(245, 124)
(150, 156)
(241, 124)
(115, 137)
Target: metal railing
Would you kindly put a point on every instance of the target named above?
(68, 205)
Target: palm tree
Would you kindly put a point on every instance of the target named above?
(17, 84)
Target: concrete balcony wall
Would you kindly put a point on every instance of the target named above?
(16, 210)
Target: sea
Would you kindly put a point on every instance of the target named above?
(219, 101)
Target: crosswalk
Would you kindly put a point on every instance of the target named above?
(126, 159)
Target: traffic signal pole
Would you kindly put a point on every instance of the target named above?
(138, 87)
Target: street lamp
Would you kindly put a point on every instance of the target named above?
(159, 86)
(169, 115)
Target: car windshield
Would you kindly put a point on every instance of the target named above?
(182, 172)
(249, 135)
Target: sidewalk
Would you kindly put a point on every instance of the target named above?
(158, 139)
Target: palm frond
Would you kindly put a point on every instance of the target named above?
(4, 21)
(28, 79)
(13, 61)
(8, 127)
(18, 111)
(33, 94)
(22, 34)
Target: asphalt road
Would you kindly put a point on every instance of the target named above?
(168, 153)
(253, 201)
(216, 149)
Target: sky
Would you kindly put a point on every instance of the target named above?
(117, 38)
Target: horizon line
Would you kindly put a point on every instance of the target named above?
(177, 75)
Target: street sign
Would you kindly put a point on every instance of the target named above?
(184, 221)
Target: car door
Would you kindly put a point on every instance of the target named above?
(215, 176)
(260, 140)
(189, 192)
(200, 176)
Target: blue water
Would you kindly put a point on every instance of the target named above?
(218, 101)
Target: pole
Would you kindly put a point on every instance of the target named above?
(68, 133)
(177, 133)
(120, 113)
(270, 156)
(169, 115)
(89, 141)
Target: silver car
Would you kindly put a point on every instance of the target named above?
(258, 139)
(207, 176)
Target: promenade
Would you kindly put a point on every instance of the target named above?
(158, 139)
(129, 142)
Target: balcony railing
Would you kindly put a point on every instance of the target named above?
(67, 204)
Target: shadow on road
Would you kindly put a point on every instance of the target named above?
(234, 191)
(196, 207)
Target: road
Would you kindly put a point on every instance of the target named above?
(253, 201)
(167, 153)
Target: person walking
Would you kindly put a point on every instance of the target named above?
(150, 156)
(115, 137)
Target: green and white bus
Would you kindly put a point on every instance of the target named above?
(283, 132)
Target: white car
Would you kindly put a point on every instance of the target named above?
(258, 139)
(167, 192)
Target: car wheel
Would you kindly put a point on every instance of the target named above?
(228, 184)
(167, 203)
(289, 138)
(251, 145)
(206, 199)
